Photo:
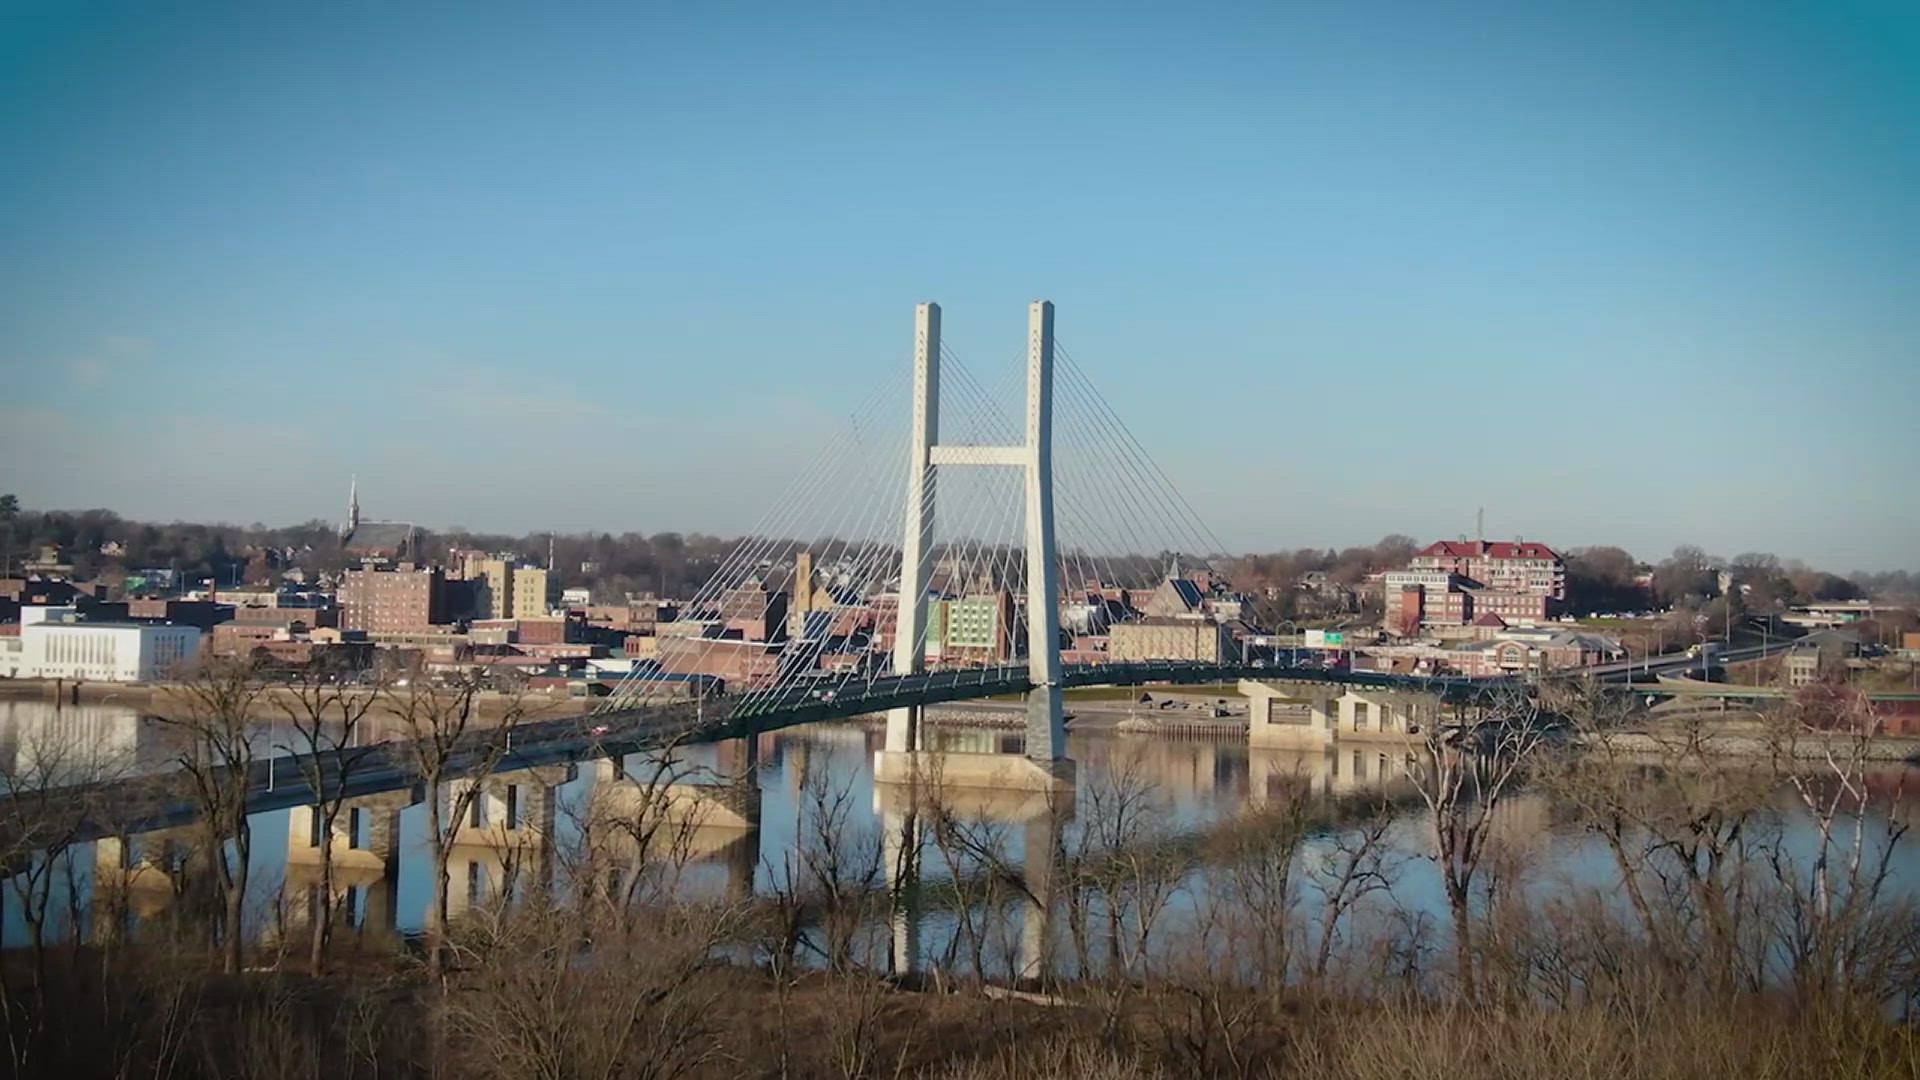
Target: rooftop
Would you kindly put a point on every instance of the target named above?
(1491, 549)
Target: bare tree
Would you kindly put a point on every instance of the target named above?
(331, 747)
(1123, 866)
(1464, 773)
(842, 865)
(47, 808)
(214, 720)
(442, 737)
(529, 1002)
(1832, 905)
(633, 835)
(1680, 817)
(1358, 861)
(1258, 859)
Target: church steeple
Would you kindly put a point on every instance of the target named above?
(353, 506)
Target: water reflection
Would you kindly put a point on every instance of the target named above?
(731, 813)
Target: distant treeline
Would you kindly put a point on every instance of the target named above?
(101, 544)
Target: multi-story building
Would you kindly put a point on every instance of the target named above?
(530, 599)
(203, 614)
(754, 611)
(381, 601)
(1167, 637)
(742, 665)
(1451, 583)
(978, 628)
(57, 644)
(492, 587)
(1519, 566)
(1810, 662)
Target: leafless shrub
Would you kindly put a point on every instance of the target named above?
(332, 745)
(1464, 774)
(215, 726)
(440, 738)
(1833, 922)
(530, 1000)
(1357, 861)
(1059, 1058)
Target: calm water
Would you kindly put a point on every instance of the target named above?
(1197, 785)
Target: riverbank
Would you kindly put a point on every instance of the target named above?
(503, 1014)
(162, 698)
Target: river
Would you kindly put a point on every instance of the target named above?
(1194, 787)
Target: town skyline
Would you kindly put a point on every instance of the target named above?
(531, 544)
(506, 270)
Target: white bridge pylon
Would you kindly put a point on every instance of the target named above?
(1046, 726)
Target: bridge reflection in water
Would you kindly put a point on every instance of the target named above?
(737, 806)
(742, 807)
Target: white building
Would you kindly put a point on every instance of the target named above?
(104, 651)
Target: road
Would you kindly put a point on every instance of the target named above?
(153, 802)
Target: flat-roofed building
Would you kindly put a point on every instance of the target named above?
(1162, 637)
(105, 651)
(405, 599)
(530, 593)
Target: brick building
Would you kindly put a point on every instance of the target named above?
(743, 665)
(975, 629)
(1519, 566)
(1450, 583)
(383, 601)
(1166, 637)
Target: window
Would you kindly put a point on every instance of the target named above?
(1359, 716)
(355, 818)
(477, 810)
(513, 806)
(316, 821)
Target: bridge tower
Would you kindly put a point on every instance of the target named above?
(1045, 729)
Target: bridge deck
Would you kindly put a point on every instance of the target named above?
(151, 802)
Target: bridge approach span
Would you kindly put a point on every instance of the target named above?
(140, 804)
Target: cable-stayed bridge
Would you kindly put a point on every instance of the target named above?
(980, 543)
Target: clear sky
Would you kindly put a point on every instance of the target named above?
(1622, 273)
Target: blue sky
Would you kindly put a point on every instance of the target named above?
(1641, 274)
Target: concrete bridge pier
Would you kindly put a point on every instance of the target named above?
(139, 876)
(694, 821)
(1041, 814)
(1283, 714)
(503, 843)
(1288, 714)
(365, 848)
(743, 862)
(732, 806)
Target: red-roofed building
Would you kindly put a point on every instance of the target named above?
(1518, 566)
(1453, 583)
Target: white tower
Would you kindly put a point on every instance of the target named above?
(1046, 730)
(353, 506)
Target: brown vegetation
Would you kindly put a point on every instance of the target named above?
(1275, 945)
